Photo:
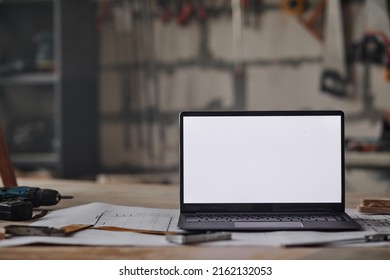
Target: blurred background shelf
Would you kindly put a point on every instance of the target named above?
(49, 85)
(367, 160)
(30, 79)
(44, 159)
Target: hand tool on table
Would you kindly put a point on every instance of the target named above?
(17, 203)
(194, 237)
(16, 210)
(36, 196)
(25, 230)
(379, 237)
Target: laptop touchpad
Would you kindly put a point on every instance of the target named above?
(267, 224)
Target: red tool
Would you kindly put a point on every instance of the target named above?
(6, 168)
(293, 7)
(104, 12)
(185, 13)
(201, 12)
(313, 21)
(166, 13)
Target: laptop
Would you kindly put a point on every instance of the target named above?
(262, 170)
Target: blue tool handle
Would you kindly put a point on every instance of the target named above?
(37, 196)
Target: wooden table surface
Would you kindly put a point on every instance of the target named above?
(162, 196)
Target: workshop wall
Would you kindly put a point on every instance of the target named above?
(151, 70)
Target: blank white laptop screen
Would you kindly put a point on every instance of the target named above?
(262, 159)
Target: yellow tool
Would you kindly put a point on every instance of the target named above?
(293, 7)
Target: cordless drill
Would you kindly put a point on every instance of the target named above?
(16, 203)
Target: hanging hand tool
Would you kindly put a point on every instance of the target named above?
(374, 44)
(312, 22)
(165, 11)
(374, 48)
(185, 12)
(370, 45)
(334, 74)
(293, 7)
(201, 13)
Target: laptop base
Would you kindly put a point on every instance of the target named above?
(187, 222)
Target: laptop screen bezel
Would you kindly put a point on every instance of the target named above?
(260, 207)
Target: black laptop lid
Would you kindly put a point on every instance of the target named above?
(262, 161)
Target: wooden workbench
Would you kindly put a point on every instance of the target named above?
(162, 196)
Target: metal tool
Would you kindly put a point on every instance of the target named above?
(19, 230)
(379, 237)
(17, 203)
(22, 230)
(197, 237)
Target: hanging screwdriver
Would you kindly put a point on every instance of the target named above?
(37, 196)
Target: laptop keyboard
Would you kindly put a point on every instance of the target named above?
(264, 218)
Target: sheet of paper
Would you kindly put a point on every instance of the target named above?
(101, 214)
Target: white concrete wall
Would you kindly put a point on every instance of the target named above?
(277, 86)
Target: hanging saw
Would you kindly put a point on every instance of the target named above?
(334, 75)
